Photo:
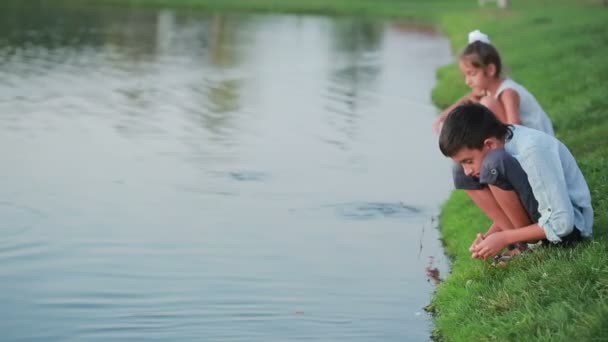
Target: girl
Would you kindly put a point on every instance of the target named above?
(481, 66)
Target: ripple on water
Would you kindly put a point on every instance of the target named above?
(374, 210)
(16, 219)
(248, 176)
(16, 244)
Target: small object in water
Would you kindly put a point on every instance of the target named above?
(299, 312)
(432, 272)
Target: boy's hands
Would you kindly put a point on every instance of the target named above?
(477, 240)
(488, 246)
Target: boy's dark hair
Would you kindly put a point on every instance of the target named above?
(481, 54)
(469, 125)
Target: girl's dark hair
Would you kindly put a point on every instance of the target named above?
(481, 54)
(468, 126)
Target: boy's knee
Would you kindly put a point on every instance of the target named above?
(495, 167)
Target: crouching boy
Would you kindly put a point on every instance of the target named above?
(532, 187)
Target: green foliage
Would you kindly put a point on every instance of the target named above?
(420, 10)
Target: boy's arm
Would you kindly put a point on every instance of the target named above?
(493, 229)
(532, 232)
(548, 182)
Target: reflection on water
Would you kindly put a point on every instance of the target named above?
(355, 67)
(190, 176)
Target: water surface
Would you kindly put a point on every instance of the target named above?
(180, 176)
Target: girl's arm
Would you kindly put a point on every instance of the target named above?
(495, 107)
(510, 102)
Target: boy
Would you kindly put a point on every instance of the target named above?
(533, 189)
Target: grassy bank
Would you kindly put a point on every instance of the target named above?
(554, 294)
(413, 9)
(558, 50)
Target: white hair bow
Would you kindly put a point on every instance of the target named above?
(478, 36)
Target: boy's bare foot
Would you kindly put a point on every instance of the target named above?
(501, 260)
(517, 249)
(504, 258)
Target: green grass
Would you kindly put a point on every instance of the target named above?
(554, 294)
(416, 10)
(558, 50)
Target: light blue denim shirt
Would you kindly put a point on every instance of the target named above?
(557, 182)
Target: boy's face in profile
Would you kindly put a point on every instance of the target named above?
(471, 159)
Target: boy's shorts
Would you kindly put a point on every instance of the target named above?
(502, 170)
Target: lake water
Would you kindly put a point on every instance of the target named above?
(192, 176)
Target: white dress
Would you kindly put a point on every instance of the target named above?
(531, 113)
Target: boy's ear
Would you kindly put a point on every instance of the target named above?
(490, 143)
